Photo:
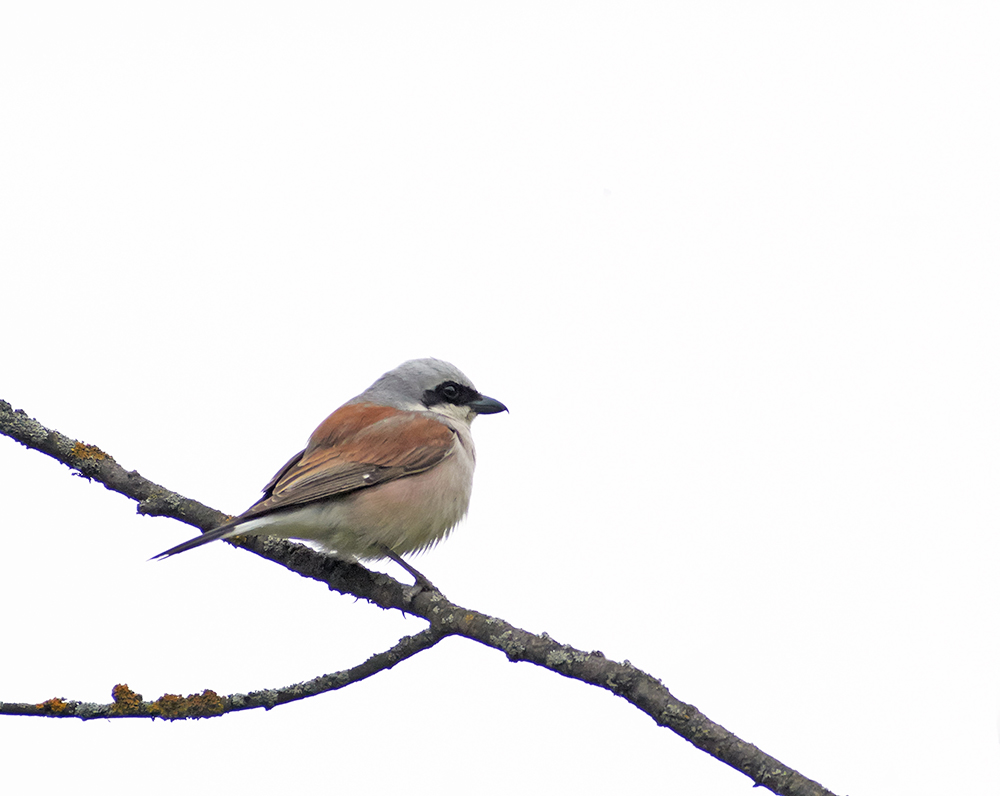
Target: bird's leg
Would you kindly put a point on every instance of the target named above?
(418, 578)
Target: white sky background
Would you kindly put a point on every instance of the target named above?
(734, 267)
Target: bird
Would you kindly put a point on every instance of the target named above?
(387, 474)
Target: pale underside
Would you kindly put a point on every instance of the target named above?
(406, 515)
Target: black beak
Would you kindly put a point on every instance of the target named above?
(484, 405)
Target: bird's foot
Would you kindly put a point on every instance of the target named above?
(420, 582)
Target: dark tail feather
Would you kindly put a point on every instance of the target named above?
(209, 536)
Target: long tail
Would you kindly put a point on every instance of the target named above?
(224, 530)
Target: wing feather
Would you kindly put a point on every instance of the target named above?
(358, 446)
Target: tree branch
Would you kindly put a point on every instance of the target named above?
(446, 618)
(128, 704)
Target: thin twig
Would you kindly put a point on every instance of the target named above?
(128, 704)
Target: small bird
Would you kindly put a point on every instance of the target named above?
(388, 473)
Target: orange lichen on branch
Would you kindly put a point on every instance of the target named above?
(84, 451)
(193, 706)
(55, 705)
(127, 701)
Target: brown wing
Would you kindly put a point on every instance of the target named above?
(358, 446)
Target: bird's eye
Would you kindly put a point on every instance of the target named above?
(449, 391)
